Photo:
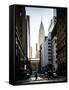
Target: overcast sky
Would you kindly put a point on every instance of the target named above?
(36, 15)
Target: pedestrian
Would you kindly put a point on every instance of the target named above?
(36, 76)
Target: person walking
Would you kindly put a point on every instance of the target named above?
(36, 76)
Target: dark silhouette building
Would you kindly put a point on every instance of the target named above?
(22, 63)
(60, 31)
(62, 41)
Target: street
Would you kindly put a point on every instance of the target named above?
(32, 79)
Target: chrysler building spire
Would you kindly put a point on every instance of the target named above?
(41, 33)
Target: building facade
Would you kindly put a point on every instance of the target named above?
(50, 29)
(34, 64)
(62, 41)
(22, 63)
(28, 36)
(54, 46)
(44, 53)
(54, 52)
(49, 48)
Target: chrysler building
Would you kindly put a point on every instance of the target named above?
(41, 34)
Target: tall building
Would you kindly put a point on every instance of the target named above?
(28, 36)
(41, 42)
(30, 54)
(22, 28)
(41, 34)
(54, 52)
(21, 33)
(21, 40)
(54, 46)
(43, 55)
(37, 51)
(59, 42)
(46, 47)
(61, 27)
(49, 48)
(52, 24)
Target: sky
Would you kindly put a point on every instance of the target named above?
(36, 15)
